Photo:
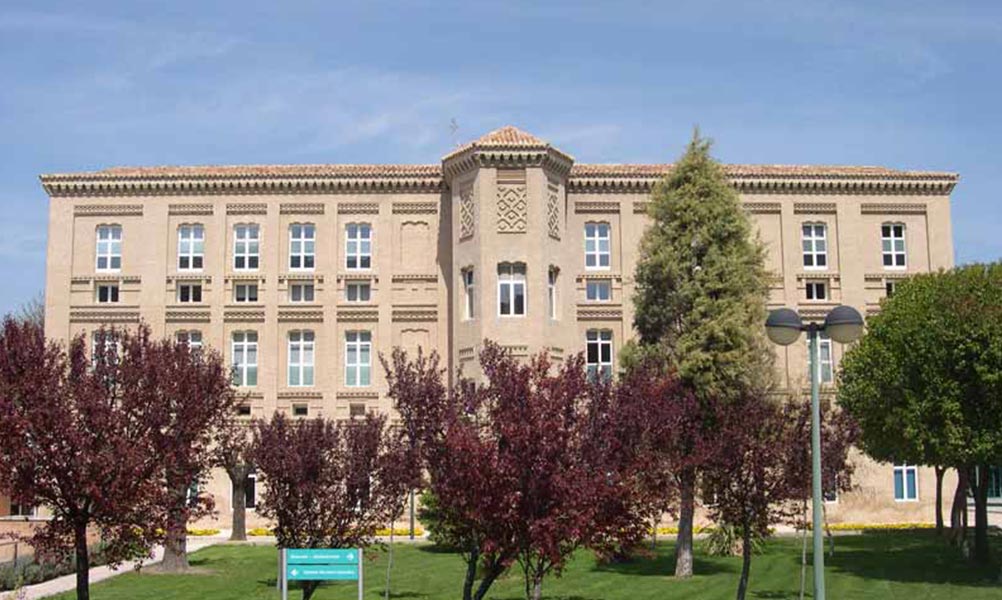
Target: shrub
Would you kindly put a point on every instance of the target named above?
(28, 571)
(260, 531)
(725, 540)
(202, 532)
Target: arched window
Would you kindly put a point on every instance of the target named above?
(302, 246)
(109, 248)
(892, 240)
(301, 351)
(190, 247)
(597, 245)
(246, 246)
(511, 290)
(244, 358)
(814, 237)
(358, 246)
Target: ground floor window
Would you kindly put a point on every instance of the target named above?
(599, 353)
(905, 483)
(250, 491)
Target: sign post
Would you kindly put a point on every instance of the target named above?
(321, 564)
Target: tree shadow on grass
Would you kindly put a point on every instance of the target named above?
(920, 556)
(778, 594)
(437, 549)
(663, 566)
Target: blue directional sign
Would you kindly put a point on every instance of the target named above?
(320, 564)
(321, 572)
(322, 556)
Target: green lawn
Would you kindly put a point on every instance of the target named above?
(913, 565)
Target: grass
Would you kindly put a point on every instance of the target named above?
(911, 565)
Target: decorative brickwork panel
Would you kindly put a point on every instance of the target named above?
(553, 210)
(511, 208)
(467, 223)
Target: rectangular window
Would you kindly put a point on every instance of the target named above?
(905, 483)
(597, 246)
(244, 358)
(358, 246)
(511, 289)
(468, 296)
(892, 239)
(889, 288)
(356, 410)
(358, 292)
(246, 247)
(109, 248)
(815, 245)
(245, 292)
(300, 410)
(825, 369)
(551, 293)
(244, 410)
(190, 247)
(994, 483)
(107, 294)
(192, 338)
(250, 491)
(23, 510)
(301, 292)
(357, 358)
(598, 291)
(302, 246)
(301, 351)
(189, 292)
(598, 353)
(817, 290)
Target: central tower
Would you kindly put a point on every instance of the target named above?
(508, 199)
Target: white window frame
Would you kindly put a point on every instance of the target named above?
(114, 293)
(358, 286)
(191, 337)
(551, 292)
(246, 246)
(358, 246)
(905, 469)
(357, 373)
(302, 246)
(247, 287)
(893, 246)
(826, 367)
(469, 295)
(191, 246)
(302, 286)
(811, 289)
(246, 342)
(596, 285)
(302, 357)
(191, 294)
(512, 277)
(814, 246)
(600, 339)
(108, 246)
(598, 245)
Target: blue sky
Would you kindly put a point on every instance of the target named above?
(87, 85)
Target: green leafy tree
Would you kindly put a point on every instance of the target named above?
(701, 291)
(925, 383)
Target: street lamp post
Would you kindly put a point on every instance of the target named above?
(843, 324)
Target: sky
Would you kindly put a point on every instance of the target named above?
(88, 85)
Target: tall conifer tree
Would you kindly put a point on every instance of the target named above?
(701, 291)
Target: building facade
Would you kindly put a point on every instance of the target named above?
(302, 275)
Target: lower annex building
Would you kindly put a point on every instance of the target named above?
(302, 274)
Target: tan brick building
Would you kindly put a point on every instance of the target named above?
(302, 274)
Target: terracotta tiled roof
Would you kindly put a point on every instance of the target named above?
(836, 171)
(251, 171)
(507, 137)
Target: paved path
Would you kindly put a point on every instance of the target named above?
(68, 583)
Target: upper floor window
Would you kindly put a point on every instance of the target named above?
(892, 239)
(468, 288)
(511, 289)
(358, 246)
(598, 352)
(109, 248)
(817, 290)
(905, 482)
(597, 253)
(823, 360)
(598, 291)
(245, 292)
(302, 246)
(301, 344)
(246, 247)
(551, 293)
(244, 358)
(107, 293)
(357, 358)
(189, 292)
(301, 292)
(359, 291)
(192, 338)
(190, 247)
(815, 244)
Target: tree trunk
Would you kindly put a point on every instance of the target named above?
(746, 552)
(309, 587)
(471, 574)
(485, 584)
(980, 486)
(239, 528)
(687, 510)
(83, 562)
(537, 587)
(958, 510)
(176, 541)
(939, 498)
